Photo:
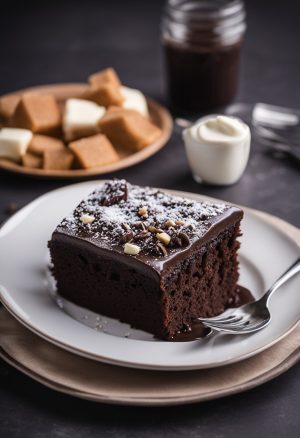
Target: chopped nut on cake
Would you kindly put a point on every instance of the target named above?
(164, 238)
(87, 219)
(130, 248)
(143, 211)
(169, 223)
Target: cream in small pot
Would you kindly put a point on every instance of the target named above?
(217, 149)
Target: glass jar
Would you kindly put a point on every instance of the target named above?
(202, 42)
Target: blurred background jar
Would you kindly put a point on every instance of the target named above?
(202, 42)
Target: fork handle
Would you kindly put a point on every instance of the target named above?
(289, 273)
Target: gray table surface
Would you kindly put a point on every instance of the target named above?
(50, 42)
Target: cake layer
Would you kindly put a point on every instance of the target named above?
(202, 284)
(186, 264)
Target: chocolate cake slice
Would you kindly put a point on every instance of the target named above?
(150, 259)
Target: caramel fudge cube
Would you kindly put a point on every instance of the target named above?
(8, 105)
(104, 95)
(39, 113)
(107, 76)
(94, 151)
(32, 161)
(119, 109)
(41, 143)
(58, 160)
(129, 130)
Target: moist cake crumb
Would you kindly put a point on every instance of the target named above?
(158, 270)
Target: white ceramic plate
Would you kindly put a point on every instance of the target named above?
(24, 290)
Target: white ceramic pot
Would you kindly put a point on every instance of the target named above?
(218, 157)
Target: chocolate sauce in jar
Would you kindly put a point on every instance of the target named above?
(202, 41)
(198, 330)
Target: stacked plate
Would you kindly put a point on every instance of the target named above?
(25, 290)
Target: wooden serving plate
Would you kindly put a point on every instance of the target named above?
(159, 115)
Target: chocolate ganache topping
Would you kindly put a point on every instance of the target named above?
(117, 213)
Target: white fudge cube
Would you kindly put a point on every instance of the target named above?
(81, 118)
(14, 142)
(134, 100)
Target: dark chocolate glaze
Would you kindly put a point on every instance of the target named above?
(116, 203)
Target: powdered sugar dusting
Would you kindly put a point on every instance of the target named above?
(115, 206)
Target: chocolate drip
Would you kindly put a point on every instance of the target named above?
(198, 330)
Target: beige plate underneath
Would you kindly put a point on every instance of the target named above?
(159, 115)
(99, 382)
(85, 378)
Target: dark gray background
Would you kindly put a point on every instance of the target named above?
(43, 42)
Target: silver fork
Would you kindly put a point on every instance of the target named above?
(275, 116)
(276, 142)
(250, 317)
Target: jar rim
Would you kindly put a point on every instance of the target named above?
(223, 22)
(206, 8)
